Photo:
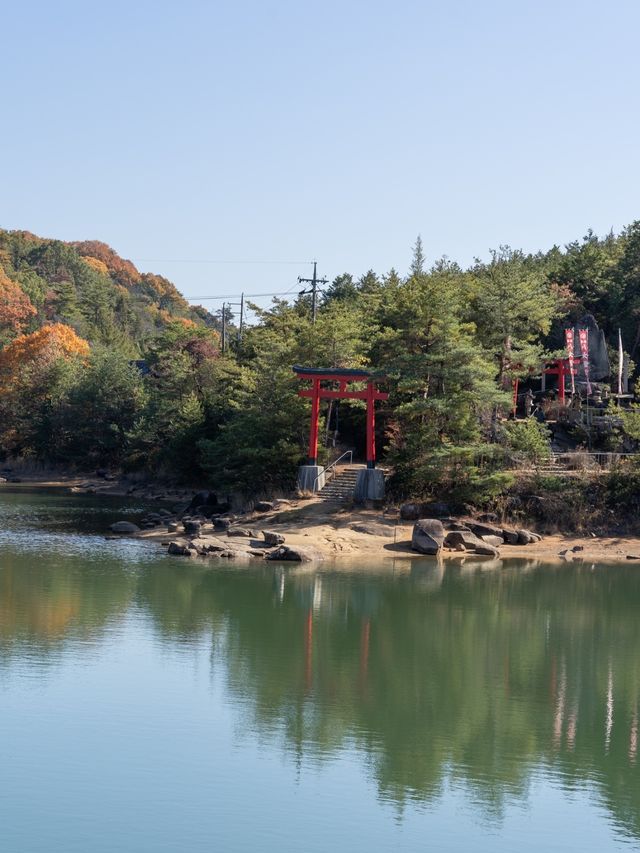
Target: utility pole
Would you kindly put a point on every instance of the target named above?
(314, 282)
(241, 306)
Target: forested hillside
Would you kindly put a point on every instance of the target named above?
(76, 321)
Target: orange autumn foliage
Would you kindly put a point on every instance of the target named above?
(38, 350)
(15, 306)
(122, 270)
(94, 263)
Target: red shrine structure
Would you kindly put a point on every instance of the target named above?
(323, 387)
(562, 368)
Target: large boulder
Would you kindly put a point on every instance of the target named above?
(496, 541)
(526, 537)
(264, 506)
(124, 527)
(271, 538)
(463, 537)
(510, 536)
(484, 529)
(192, 528)
(297, 554)
(428, 536)
(486, 550)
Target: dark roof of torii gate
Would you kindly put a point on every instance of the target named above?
(353, 372)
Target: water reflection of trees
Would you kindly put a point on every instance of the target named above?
(45, 603)
(437, 676)
(479, 678)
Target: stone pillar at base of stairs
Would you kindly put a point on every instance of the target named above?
(369, 485)
(310, 478)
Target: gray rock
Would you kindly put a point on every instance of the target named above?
(124, 527)
(264, 506)
(221, 523)
(173, 527)
(242, 531)
(233, 554)
(484, 529)
(463, 537)
(298, 554)
(217, 546)
(271, 538)
(372, 528)
(410, 511)
(525, 537)
(488, 517)
(181, 550)
(454, 524)
(510, 536)
(428, 536)
(496, 541)
(486, 550)
(192, 528)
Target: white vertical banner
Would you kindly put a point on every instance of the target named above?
(620, 361)
(569, 339)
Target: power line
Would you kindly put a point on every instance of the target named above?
(216, 261)
(238, 295)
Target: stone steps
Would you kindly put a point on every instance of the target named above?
(340, 487)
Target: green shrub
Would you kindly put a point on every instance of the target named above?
(530, 438)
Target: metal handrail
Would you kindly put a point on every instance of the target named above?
(333, 465)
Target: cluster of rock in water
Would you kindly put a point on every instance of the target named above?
(204, 511)
(483, 538)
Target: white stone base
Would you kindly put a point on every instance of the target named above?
(310, 478)
(369, 485)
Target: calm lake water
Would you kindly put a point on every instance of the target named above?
(149, 703)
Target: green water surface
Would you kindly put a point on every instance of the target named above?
(153, 703)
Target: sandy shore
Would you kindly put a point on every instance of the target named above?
(352, 535)
(365, 535)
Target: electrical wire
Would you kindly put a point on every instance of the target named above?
(205, 261)
(238, 295)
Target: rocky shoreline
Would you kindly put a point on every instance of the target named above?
(276, 530)
(313, 531)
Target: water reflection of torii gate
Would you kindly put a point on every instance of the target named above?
(370, 484)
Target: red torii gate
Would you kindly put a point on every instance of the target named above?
(562, 368)
(344, 377)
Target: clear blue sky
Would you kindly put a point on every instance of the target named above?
(273, 131)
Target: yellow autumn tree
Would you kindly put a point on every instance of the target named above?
(96, 264)
(38, 350)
